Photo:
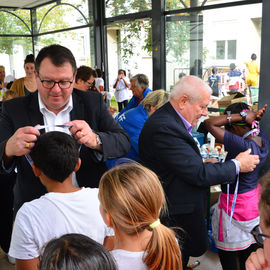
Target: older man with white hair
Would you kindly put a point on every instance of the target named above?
(167, 147)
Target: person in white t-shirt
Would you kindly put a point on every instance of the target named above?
(99, 80)
(131, 199)
(64, 209)
(121, 85)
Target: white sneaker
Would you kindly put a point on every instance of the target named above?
(11, 259)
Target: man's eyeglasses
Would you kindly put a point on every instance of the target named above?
(50, 84)
(258, 235)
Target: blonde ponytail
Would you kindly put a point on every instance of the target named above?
(134, 198)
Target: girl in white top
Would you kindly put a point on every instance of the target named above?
(131, 199)
(99, 81)
(121, 85)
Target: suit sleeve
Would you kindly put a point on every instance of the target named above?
(7, 131)
(178, 154)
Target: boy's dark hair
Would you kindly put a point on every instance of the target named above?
(232, 66)
(214, 70)
(56, 155)
(76, 251)
(99, 72)
(58, 55)
(84, 73)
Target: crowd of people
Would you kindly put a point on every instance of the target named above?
(96, 192)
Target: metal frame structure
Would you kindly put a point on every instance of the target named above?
(34, 32)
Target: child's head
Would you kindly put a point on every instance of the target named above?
(236, 108)
(232, 66)
(133, 198)
(75, 251)
(214, 70)
(253, 56)
(56, 154)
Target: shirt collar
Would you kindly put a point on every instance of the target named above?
(187, 125)
(44, 109)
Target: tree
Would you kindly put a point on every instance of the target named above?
(19, 23)
(177, 33)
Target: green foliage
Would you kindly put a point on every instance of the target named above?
(10, 24)
(177, 33)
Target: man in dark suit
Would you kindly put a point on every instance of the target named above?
(55, 103)
(167, 147)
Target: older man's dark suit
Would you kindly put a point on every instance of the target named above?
(87, 106)
(166, 147)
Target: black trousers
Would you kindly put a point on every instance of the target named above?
(231, 259)
(191, 242)
(6, 209)
(122, 105)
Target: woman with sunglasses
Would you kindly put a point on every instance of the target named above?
(260, 260)
(236, 212)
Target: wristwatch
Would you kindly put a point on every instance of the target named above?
(244, 115)
(229, 118)
(99, 142)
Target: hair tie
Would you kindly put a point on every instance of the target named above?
(154, 224)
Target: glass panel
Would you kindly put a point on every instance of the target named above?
(130, 48)
(77, 41)
(56, 17)
(122, 7)
(220, 49)
(231, 49)
(83, 6)
(10, 24)
(179, 4)
(12, 54)
(197, 42)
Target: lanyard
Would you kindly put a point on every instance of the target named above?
(233, 202)
(235, 190)
(249, 132)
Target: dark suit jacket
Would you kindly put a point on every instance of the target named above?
(166, 147)
(88, 106)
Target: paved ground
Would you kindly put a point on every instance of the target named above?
(4, 264)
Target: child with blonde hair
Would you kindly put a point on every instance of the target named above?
(131, 200)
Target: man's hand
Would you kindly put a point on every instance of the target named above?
(211, 160)
(83, 133)
(112, 110)
(257, 261)
(22, 141)
(247, 161)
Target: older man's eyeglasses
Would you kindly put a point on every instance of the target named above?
(50, 84)
(258, 235)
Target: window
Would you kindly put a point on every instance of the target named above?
(225, 49)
